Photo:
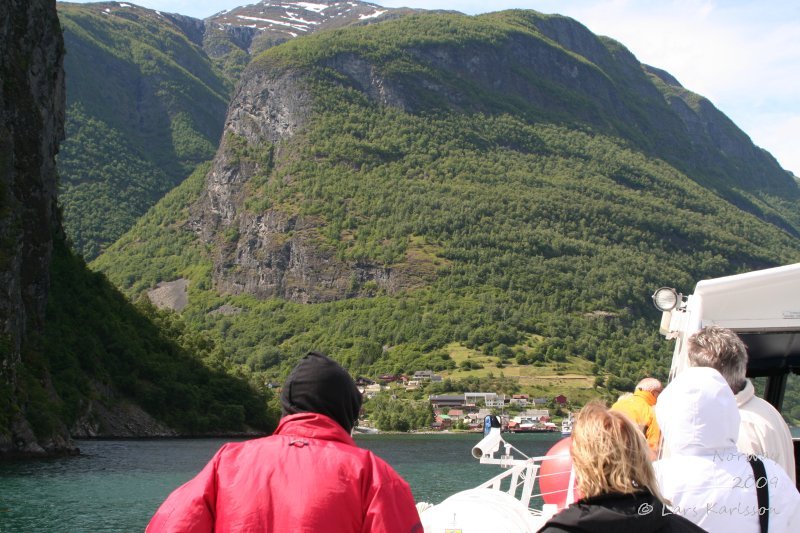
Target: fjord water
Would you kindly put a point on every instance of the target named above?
(117, 485)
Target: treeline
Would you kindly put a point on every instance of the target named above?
(389, 414)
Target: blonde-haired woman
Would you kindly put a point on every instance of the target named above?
(615, 478)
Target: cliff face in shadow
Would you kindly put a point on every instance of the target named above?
(76, 358)
(32, 124)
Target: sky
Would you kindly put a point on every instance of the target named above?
(743, 55)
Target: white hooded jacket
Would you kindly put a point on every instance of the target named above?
(763, 430)
(706, 478)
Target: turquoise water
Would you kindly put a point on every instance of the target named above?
(117, 485)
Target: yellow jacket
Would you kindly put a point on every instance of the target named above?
(639, 408)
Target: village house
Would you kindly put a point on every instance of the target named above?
(498, 402)
(370, 391)
(441, 422)
(474, 397)
(445, 400)
(426, 375)
(447, 418)
(475, 420)
(520, 400)
(540, 415)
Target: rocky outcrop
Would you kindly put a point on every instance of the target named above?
(31, 126)
(266, 111)
(275, 253)
(113, 417)
(220, 40)
(282, 255)
(171, 295)
(272, 253)
(367, 79)
(193, 28)
(124, 420)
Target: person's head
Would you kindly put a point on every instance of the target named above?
(651, 385)
(721, 349)
(610, 454)
(318, 384)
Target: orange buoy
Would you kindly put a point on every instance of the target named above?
(554, 474)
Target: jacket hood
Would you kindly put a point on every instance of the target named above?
(612, 512)
(697, 413)
(318, 384)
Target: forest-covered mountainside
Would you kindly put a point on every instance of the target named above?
(438, 190)
(147, 93)
(145, 105)
(126, 370)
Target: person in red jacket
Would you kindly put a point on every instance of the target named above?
(307, 476)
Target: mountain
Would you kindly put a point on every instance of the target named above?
(447, 192)
(147, 93)
(290, 19)
(77, 359)
(232, 37)
(31, 126)
(145, 105)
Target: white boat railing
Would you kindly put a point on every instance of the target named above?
(521, 474)
(508, 501)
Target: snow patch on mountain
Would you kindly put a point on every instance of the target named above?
(372, 16)
(290, 19)
(317, 8)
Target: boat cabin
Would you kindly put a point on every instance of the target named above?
(762, 307)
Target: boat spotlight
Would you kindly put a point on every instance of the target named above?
(666, 299)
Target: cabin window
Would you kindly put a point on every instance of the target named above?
(791, 404)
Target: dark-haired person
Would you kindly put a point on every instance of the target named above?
(762, 430)
(308, 476)
(615, 479)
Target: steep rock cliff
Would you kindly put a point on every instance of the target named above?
(32, 107)
(274, 253)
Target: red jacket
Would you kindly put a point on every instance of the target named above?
(309, 476)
